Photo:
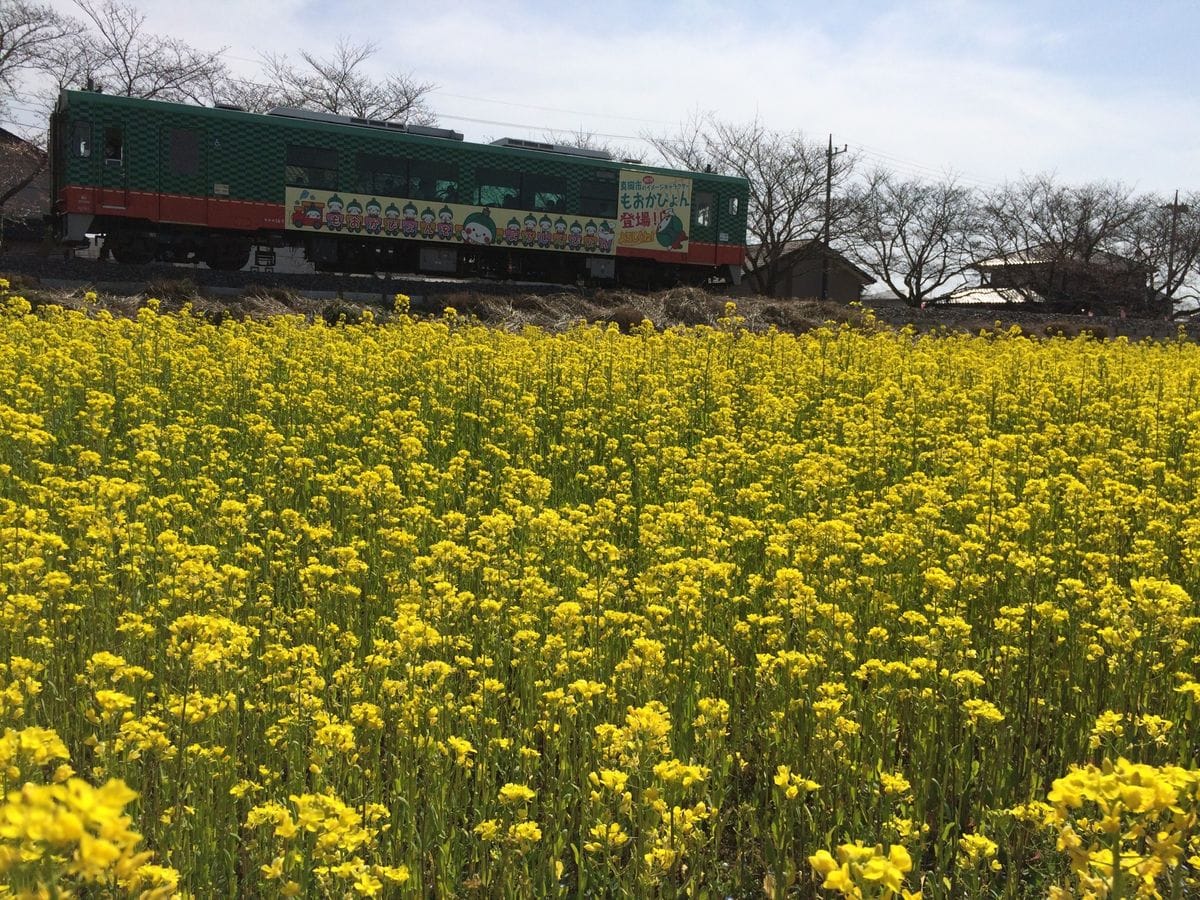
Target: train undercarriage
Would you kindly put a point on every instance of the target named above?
(139, 242)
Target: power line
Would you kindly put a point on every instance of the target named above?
(253, 62)
(897, 161)
(928, 173)
(527, 127)
(916, 167)
(23, 124)
(555, 109)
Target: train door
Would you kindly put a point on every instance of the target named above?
(114, 169)
(703, 248)
(217, 184)
(212, 189)
(181, 176)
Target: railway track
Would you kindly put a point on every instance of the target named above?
(84, 273)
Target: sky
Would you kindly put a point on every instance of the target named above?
(981, 90)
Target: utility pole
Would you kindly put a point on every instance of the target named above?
(1176, 208)
(829, 155)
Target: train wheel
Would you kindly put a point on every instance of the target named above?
(130, 249)
(227, 255)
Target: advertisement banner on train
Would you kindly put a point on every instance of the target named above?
(330, 212)
(654, 212)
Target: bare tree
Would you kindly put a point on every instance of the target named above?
(690, 147)
(66, 65)
(1071, 246)
(28, 31)
(118, 55)
(20, 163)
(1167, 242)
(786, 173)
(22, 202)
(914, 236)
(337, 84)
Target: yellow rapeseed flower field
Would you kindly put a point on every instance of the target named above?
(428, 609)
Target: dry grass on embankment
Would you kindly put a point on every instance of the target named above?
(626, 309)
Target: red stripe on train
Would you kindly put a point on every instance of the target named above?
(173, 209)
(698, 253)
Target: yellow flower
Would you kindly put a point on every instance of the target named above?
(823, 862)
(894, 783)
(793, 784)
(524, 834)
(488, 830)
(606, 837)
(462, 750)
(516, 793)
(982, 711)
(978, 849)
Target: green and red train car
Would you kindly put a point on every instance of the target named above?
(176, 182)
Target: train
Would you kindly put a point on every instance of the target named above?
(177, 182)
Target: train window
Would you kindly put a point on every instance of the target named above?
(184, 151)
(114, 146)
(598, 195)
(497, 188)
(314, 167)
(704, 206)
(430, 181)
(385, 175)
(733, 206)
(544, 192)
(81, 139)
